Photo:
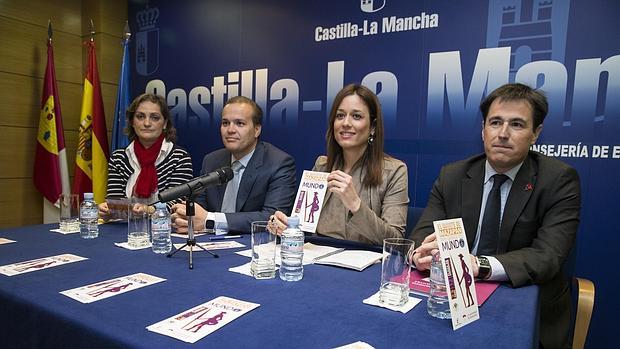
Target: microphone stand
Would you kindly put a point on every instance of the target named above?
(191, 240)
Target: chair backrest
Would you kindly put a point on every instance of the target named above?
(582, 297)
(413, 215)
(585, 303)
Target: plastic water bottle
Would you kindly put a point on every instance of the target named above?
(160, 228)
(89, 213)
(292, 252)
(438, 305)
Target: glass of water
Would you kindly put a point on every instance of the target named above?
(138, 223)
(395, 269)
(263, 264)
(69, 213)
(438, 304)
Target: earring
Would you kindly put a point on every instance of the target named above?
(371, 139)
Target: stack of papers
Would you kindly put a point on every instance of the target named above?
(327, 255)
(352, 259)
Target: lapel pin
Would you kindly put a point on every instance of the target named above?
(528, 187)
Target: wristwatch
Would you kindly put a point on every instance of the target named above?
(484, 267)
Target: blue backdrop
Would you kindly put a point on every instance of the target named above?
(430, 62)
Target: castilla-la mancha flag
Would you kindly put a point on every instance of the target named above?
(91, 163)
(51, 176)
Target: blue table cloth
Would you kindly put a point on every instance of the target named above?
(323, 310)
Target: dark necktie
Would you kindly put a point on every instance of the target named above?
(229, 202)
(489, 232)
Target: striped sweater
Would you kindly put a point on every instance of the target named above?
(173, 166)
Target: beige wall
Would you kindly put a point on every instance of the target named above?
(23, 55)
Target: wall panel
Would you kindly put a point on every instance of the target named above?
(66, 15)
(20, 203)
(23, 51)
(22, 97)
(23, 55)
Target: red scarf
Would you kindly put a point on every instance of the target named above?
(147, 180)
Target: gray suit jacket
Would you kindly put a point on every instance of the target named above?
(382, 213)
(268, 184)
(538, 229)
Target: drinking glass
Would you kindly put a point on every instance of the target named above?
(69, 213)
(394, 289)
(263, 264)
(138, 223)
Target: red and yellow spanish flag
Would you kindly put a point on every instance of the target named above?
(91, 163)
(51, 176)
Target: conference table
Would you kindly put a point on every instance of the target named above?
(323, 310)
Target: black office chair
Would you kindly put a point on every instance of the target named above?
(413, 215)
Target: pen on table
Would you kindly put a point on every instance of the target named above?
(224, 237)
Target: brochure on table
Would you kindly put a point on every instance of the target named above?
(457, 269)
(309, 199)
(420, 285)
(108, 288)
(39, 264)
(202, 320)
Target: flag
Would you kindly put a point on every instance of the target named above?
(91, 163)
(51, 176)
(119, 139)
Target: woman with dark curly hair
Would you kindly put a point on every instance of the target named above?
(152, 162)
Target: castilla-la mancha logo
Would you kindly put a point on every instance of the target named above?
(147, 41)
(371, 6)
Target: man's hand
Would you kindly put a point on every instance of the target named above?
(423, 255)
(104, 211)
(277, 223)
(179, 218)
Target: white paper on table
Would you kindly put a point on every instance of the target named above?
(202, 320)
(184, 236)
(127, 246)
(311, 252)
(242, 269)
(109, 288)
(356, 345)
(411, 303)
(6, 241)
(216, 245)
(39, 264)
(352, 259)
(57, 230)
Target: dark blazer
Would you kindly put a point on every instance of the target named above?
(538, 229)
(268, 184)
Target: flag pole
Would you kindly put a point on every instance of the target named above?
(50, 173)
(92, 31)
(126, 32)
(51, 213)
(50, 32)
(123, 99)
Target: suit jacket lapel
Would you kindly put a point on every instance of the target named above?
(519, 195)
(249, 176)
(471, 196)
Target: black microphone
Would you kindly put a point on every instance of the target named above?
(198, 184)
